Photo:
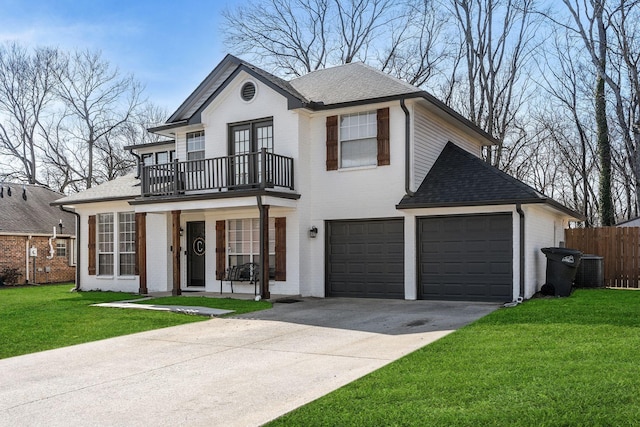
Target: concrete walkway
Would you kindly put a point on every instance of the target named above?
(241, 371)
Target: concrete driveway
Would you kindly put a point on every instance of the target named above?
(241, 371)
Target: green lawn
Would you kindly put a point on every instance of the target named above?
(45, 317)
(548, 362)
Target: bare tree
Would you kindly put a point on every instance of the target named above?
(417, 47)
(498, 39)
(563, 78)
(98, 102)
(27, 85)
(295, 37)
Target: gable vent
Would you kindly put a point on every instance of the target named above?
(248, 91)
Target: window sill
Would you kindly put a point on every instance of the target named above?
(357, 168)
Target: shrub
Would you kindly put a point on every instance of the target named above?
(9, 275)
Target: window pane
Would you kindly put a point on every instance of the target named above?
(126, 243)
(244, 241)
(360, 152)
(358, 139)
(162, 158)
(105, 244)
(195, 145)
(61, 248)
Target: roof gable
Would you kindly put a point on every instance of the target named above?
(221, 77)
(458, 178)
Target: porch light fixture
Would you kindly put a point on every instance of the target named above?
(313, 232)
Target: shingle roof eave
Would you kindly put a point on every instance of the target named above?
(459, 178)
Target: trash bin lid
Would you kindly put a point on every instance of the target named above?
(561, 251)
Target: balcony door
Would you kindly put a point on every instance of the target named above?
(244, 139)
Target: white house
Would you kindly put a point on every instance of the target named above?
(342, 182)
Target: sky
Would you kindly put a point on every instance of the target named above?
(169, 46)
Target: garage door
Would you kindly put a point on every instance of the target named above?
(467, 258)
(365, 258)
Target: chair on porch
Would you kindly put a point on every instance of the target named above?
(248, 272)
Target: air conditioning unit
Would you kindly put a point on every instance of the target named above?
(590, 272)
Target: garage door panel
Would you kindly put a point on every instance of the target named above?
(466, 257)
(371, 256)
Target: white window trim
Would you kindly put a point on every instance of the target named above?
(255, 95)
(252, 255)
(374, 163)
(116, 247)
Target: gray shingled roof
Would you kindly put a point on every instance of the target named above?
(458, 178)
(122, 188)
(350, 83)
(35, 214)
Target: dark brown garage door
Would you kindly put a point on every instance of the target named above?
(467, 258)
(365, 258)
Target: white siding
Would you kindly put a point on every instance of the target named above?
(431, 134)
(543, 228)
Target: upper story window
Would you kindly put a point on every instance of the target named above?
(147, 159)
(158, 158)
(195, 145)
(358, 140)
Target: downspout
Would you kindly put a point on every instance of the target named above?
(139, 164)
(26, 256)
(522, 258)
(407, 149)
(77, 248)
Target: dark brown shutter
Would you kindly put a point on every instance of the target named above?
(141, 248)
(332, 143)
(92, 246)
(221, 249)
(383, 137)
(281, 249)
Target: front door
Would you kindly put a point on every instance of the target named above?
(195, 253)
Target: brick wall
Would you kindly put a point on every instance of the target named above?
(55, 270)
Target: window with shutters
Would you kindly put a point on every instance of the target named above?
(243, 241)
(358, 140)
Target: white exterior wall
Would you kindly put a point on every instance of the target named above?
(431, 133)
(352, 193)
(159, 261)
(543, 228)
(229, 107)
(104, 283)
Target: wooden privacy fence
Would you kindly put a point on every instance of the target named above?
(620, 248)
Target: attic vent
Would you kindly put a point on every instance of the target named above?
(248, 91)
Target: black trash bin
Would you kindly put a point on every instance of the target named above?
(562, 266)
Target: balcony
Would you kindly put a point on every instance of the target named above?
(230, 173)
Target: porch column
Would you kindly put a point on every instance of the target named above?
(264, 250)
(176, 252)
(141, 250)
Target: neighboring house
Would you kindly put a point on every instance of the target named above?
(345, 181)
(633, 222)
(36, 238)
